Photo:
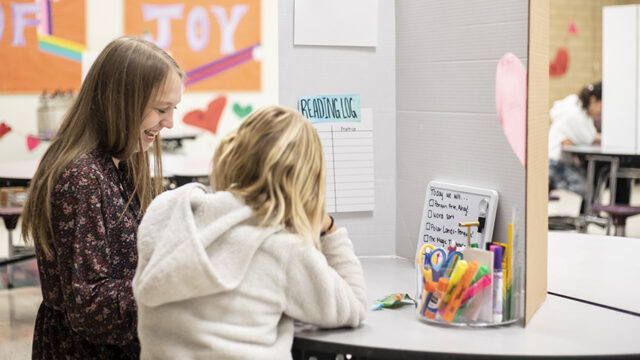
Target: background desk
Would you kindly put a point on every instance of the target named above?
(172, 138)
(615, 156)
(17, 173)
(181, 167)
(561, 328)
(600, 269)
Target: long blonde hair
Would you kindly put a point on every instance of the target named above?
(274, 161)
(107, 115)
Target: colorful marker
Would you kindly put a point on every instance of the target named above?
(460, 269)
(482, 272)
(459, 291)
(482, 218)
(474, 289)
(497, 283)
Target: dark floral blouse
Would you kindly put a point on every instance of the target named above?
(88, 310)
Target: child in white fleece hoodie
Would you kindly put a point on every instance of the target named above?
(223, 275)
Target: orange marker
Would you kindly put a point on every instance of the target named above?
(458, 293)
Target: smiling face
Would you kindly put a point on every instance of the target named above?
(159, 111)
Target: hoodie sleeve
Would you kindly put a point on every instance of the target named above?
(327, 289)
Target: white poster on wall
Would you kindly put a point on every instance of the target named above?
(336, 22)
(348, 152)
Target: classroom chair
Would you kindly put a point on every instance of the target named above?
(618, 212)
(10, 215)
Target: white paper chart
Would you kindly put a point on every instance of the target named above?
(348, 152)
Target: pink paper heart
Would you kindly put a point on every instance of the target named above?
(572, 28)
(32, 142)
(511, 103)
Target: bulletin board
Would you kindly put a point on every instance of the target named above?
(41, 45)
(217, 44)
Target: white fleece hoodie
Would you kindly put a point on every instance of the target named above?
(211, 284)
(569, 121)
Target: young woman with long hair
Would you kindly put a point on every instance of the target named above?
(88, 196)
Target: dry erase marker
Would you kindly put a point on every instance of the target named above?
(497, 283)
(482, 218)
(459, 291)
(436, 298)
(505, 273)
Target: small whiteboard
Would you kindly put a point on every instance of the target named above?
(446, 205)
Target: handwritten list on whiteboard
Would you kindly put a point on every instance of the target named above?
(348, 151)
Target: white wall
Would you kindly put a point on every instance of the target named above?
(370, 72)
(620, 76)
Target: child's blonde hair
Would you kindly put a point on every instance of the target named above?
(274, 161)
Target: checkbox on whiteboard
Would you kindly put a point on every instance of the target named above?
(430, 202)
(427, 226)
(429, 214)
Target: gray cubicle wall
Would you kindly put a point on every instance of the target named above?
(370, 72)
(447, 127)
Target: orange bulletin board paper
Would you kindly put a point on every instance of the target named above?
(41, 44)
(216, 43)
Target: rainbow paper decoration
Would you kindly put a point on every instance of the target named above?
(61, 47)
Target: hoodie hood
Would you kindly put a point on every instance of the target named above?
(185, 249)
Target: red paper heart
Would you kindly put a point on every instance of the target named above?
(4, 129)
(209, 119)
(32, 142)
(559, 65)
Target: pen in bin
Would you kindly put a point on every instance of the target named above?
(497, 283)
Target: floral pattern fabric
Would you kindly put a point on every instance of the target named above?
(88, 310)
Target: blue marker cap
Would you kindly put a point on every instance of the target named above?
(497, 257)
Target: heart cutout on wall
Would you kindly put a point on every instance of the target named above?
(511, 103)
(242, 111)
(559, 65)
(208, 119)
(4, 129)
(32, 142)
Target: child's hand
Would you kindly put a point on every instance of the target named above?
(328, 225)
